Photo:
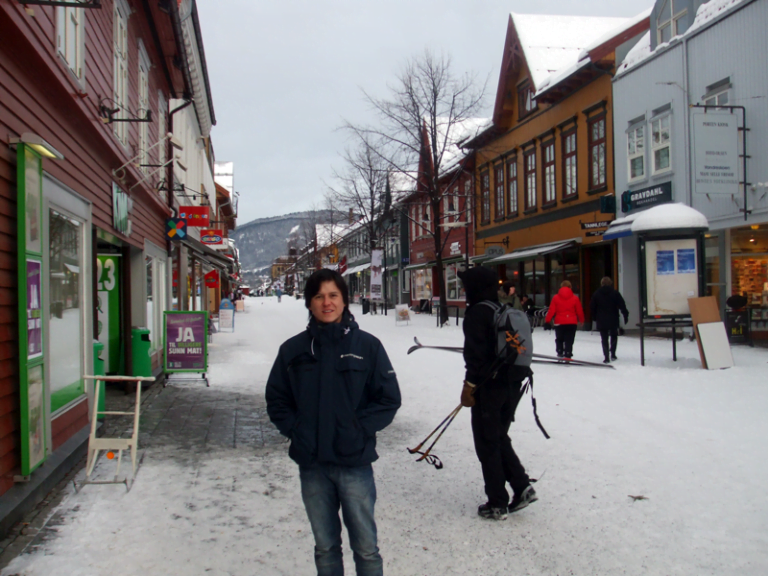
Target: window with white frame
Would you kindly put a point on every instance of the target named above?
(636, 152)
(570, 180)
(672, 20)
(144, 143)
(661, 143)
(120, 68)
(155, 261)
(512, 186)
(597, 151)
(498, 177)
(70, 38)
(548, 172)
(718, 93)
(454, 286)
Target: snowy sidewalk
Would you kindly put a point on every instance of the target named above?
(217, 494)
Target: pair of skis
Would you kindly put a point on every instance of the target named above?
(537, 358)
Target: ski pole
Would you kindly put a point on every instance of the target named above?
(449, 417)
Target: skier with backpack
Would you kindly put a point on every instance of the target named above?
(497, 365)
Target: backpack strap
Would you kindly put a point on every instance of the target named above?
(526, 386)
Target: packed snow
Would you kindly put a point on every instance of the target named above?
(670, 217)
(654, 470)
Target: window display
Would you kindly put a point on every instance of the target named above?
(749, 272)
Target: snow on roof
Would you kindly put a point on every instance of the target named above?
(551, 42)
(460, 132)
(328, 234)
(626, 25)
(669, 217)
(705, 14)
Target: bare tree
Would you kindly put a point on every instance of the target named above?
(361, 186)
(428, 113)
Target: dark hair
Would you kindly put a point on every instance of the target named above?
(606, 281)
(507, 285)
(312, 287)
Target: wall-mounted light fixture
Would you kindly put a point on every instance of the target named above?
(37, 144)
(119, 173)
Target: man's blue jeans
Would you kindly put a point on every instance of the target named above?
(326, 487)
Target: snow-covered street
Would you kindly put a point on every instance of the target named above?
(690, 441)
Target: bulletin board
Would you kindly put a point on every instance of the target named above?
(671, 273)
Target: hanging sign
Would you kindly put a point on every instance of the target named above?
(196, 216)
(175, 228)
(593, 225)
(716, 153)
(343, 265)
(376, 274)
(212, 279)
(122, 206)
(211, 236)
(185, 336)
(494, 251)
(226, 316)
(633, 199)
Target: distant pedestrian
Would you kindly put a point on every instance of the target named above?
(279, 294)
(605, 307)
(507, 295)
(566, 311)
(331, 389)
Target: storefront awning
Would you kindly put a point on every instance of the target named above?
(214, 257)
(73, 269)
(534, 251)
(415, 266)
(357, 269)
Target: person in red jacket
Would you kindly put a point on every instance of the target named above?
(567, 313)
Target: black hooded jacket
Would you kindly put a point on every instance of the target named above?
(331, 388)
(605, 306)
(480, 333)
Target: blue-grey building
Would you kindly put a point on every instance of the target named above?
(698, 54)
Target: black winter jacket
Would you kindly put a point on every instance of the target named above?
(480, 284)
(605, 306)
(331, 388)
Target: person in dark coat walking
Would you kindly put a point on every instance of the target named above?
(605, 306)
(331, 389)
(565, 309)
(493, 394)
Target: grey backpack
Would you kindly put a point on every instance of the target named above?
(513, 332)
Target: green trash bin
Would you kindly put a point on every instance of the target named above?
(98, 370)
(140, 345)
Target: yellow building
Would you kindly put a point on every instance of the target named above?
(547, 160)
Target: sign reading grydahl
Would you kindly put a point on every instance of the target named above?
(716, 157)
(634, 199)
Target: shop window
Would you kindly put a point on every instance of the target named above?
(661, 144)
(512, 186)
(749, 265)
(636, 152)
(156, 297)
(571, 268)
(597, 151)
(454, 287)
(570, 181)
(422, 284)
(65, 320)
(406, 286)
(485, 198)
(499, 189)
(70, 38)
(548, 172)
(529, 178)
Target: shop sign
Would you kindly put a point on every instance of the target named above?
(494, 251)
(186, 341)
(211, 236)
(594, 233)
(343, 265)
(122, 206)
(175, 228)
(593, 225)
(455, 248)
(226, 316)
(634, 199)
(212, 279)
(716, 153)
(376, 269)
(196, 216)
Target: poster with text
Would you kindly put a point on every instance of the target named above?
(376, 270)
(186, 341)
(667, 290)
(34, 311)
(665, 262)
(686, 261)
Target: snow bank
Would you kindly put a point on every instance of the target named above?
(670, 217)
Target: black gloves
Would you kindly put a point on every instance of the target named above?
(547, 325)
(626, 318)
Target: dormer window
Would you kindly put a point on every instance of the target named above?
(525, 101)
(672, 20)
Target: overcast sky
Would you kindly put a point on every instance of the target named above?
(284, 74)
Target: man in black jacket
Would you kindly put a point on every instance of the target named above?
(605, 305)
(492, 391)
(332, 387)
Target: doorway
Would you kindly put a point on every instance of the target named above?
(598, 262)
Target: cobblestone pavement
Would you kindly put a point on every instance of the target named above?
(187, 419)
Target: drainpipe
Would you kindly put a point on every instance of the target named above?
(687, 128)
(169, 246)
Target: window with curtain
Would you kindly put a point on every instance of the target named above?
(529, 177)
(570, 181)
(485, 198)
(597, 152)
(548, 172)
(661, 143)
(498, 173)
(512, 186)
(636, 152)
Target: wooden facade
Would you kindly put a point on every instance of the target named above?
(40, 94)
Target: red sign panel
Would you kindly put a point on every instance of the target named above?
(212, 279)
(343, 265)
(197, 216)
(212, 236)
